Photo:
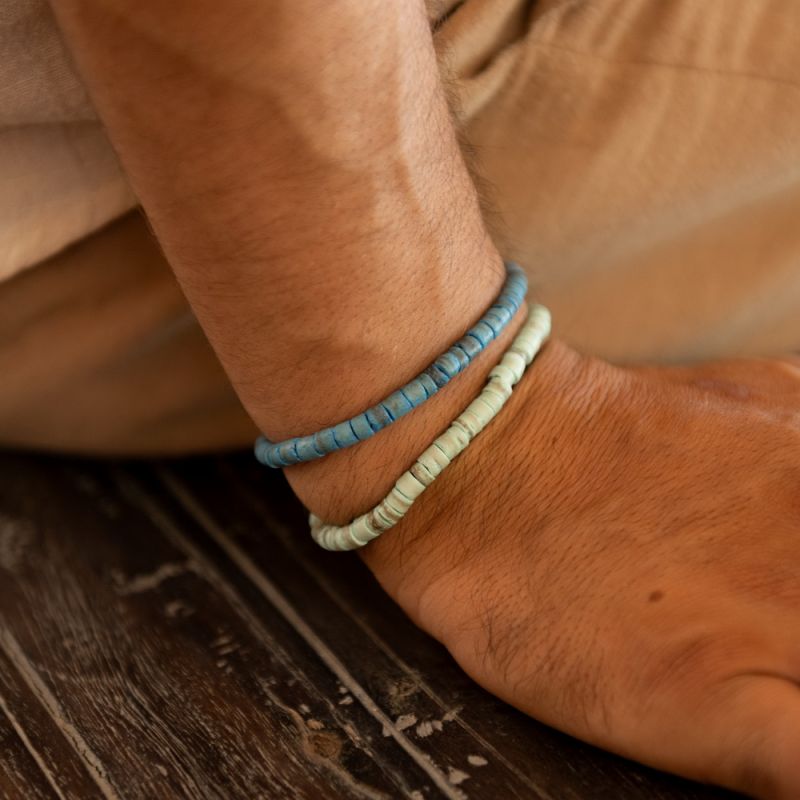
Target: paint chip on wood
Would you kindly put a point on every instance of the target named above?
(150, 580)
(405, 721)
(401, 723)
(456, 776)
(428, 727)
(477, 761)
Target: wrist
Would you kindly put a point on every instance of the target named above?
(348, 482)
(443, 535)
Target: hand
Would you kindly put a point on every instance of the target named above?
(618, 555)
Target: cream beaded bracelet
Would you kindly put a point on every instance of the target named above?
(478, 414)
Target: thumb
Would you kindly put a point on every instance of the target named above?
(750, 737)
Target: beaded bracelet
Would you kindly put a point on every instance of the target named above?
(454, 440)
(413, 394)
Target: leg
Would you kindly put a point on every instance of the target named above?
(100, 353)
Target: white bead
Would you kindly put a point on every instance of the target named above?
(457, 423)
(541, 316)
(399, 501)
(438, 454)
(422, 473)
(434, 460)
(517, 348)
(499, 388)
(491, 401)
(352, 536)
(516, 363)
(451, 442)
(471, 421)
(376, 521)
(504, 373)
(480, 411)
(390, 512)
(384, 522)
(368, 524)
(409, 486)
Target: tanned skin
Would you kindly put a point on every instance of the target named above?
(618, 553)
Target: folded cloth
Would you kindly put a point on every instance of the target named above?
(59, 177)
(643, 157)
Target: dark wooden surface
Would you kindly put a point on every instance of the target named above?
(169, 630)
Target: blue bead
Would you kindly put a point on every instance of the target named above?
(512, 295)
(506, 297)
(470, 345)
(448, 363)
(415, 393)
(305, 449)
(516, 294)
(470, 335)
(324, 441)
(428, 383)
(493, 322)
(484, 334)
(361, 427)
(285, 453)
(397, 405)
(485, 329)
(437, 376)
(263, 451)
(463, 358)
(344, 435)
(378, 418)
(503, 312)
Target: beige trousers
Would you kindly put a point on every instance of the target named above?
(644, 156)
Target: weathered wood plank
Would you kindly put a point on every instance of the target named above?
(172, 632)
(154, 665)
(268, 603)
(59, 764)
(20, 775)
(411, 677)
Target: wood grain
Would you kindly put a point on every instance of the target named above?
(169, 631)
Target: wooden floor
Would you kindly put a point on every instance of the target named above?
(168, 630)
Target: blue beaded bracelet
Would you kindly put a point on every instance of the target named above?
(413, 394)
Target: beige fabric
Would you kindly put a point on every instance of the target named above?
(100, 353)
(59, 177)
(644, 156)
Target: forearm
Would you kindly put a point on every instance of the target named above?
(299, 166)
